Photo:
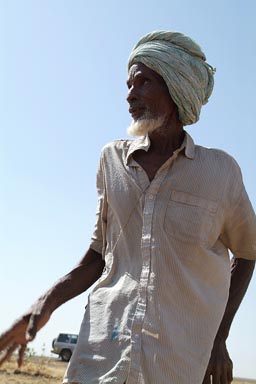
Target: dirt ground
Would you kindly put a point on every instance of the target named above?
(35, 370)
(46, 370)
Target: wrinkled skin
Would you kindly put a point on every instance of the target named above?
(146, 91)
(86, 273)
(22, 331)
(220, 367)
(148, 96)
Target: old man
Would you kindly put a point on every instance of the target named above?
(168, 213)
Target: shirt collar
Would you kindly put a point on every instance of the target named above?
(189, 146)
(139, 143)
(144, 143)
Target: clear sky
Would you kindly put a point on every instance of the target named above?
(62, 97)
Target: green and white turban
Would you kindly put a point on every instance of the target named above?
(182, 64)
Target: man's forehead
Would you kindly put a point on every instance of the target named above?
(141, 69)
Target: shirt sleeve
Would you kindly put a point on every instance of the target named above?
(98, 239)
(240, 222)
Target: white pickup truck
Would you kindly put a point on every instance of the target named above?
(64, 345)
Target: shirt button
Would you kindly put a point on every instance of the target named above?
(151, 197)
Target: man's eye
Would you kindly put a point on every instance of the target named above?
(145, 81)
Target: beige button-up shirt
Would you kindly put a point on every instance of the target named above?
(153, 316)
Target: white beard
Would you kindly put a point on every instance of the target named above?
(144, 126)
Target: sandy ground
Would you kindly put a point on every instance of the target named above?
(47, 370)
(36, 370)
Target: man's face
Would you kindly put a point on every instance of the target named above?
(148, 95)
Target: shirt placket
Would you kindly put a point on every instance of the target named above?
(135, 375)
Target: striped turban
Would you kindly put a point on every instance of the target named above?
(182, 64)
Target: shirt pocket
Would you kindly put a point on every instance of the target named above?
(189, 218)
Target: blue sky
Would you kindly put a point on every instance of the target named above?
(62, 97)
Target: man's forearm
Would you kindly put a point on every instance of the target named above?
(220, 366)
(241, 273)
(77, 281)
(26, 327)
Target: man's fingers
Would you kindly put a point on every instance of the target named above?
(230, 372)
(230, 375)
(8, 353)
(226, 374)
(219, 377)
(15, 334)
(32, 327)
(222, 376)
(22, 350)
(216, 377)
(5, 340)
(7, 336)
(207, 378)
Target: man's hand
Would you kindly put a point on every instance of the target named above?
(21, 332)
(220, 366)
(86, 273)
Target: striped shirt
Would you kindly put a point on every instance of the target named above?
(153, 315)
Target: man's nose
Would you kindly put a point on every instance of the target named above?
(132, 95)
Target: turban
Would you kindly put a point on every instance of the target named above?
(182, 64)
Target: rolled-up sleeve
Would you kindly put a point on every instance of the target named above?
(98, 239)
(240, 225)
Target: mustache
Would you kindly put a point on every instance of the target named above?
(136, 104)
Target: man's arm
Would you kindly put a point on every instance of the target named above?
(220, 365)
(86, 273)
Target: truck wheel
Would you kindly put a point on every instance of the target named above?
(65, 355)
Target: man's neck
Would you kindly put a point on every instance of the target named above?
(163, 142)
(166, 139)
